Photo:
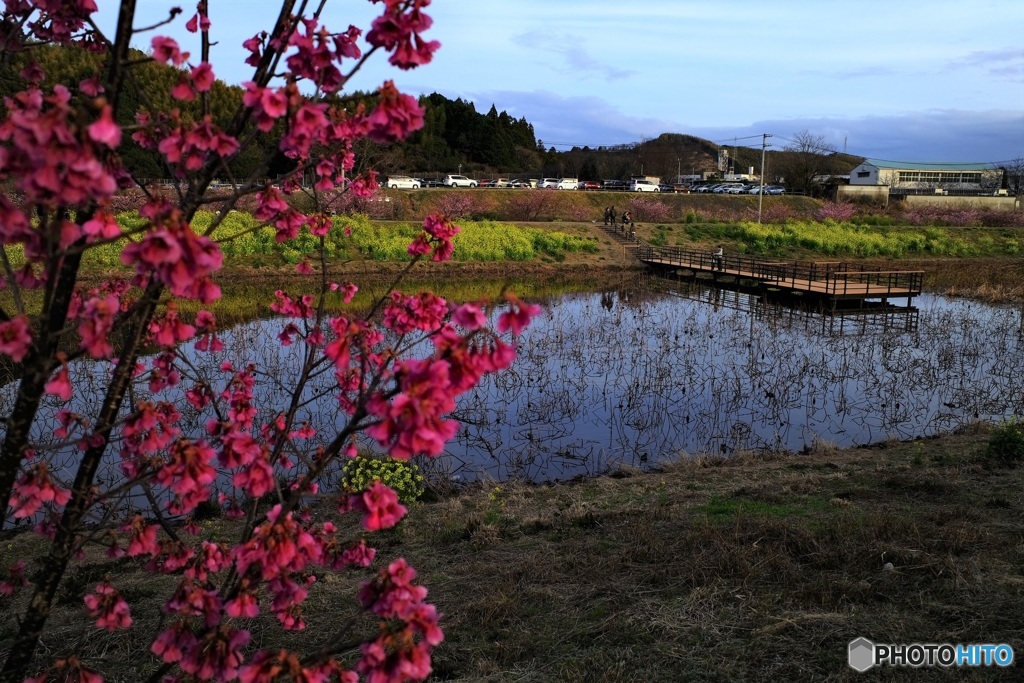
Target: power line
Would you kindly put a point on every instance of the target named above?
(727, 140)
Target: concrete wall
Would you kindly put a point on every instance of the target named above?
(950, 202)
(878, 194)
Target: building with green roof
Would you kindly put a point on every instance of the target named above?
(928, 178)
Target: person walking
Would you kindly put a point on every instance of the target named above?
(611, 214)
(719, 257)
(607, 215)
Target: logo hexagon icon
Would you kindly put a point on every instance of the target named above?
(861, 654)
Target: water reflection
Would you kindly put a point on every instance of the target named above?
(639, 372)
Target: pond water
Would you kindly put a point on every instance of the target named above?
(649, 369)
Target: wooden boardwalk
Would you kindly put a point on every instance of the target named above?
(829, 280)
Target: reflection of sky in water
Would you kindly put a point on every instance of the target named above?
(603, 380)
(629, 376)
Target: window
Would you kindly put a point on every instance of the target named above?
(863, 174)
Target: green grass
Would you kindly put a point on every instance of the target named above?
(860, 240)
(728, 509)
(243, 240)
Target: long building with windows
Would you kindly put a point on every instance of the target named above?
(913, 178)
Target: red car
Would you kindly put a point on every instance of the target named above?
(589, 185)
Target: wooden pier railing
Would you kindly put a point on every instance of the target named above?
(833, 279)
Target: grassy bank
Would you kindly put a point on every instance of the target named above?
(758, 568)
(727, 570)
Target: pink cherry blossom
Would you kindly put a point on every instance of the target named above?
(166, 50)
(198, 22)
(109, 609)
(398, 33)
(469, 316)
(16, 337)
(381, 507)
(105, 130)
(96, 321)
(142, 538)
(35, 488)
(518, 316)
(395, 116)
(60, 384)
(202, 77)
(13, 579)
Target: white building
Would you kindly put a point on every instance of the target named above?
(911, 178)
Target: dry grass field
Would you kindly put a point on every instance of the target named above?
(753, 568)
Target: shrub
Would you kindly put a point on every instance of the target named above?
(837, 211)
(1006, 447)
(530, 205)
(455, 204)
(649, 210)
(402, 476)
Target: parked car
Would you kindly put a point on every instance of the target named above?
(641, 185)
(547, 183)
(459, 181)
(706, 189)
(774, 189)
(735, 189)
(666, 187)
(590, 185)
(496, 182)
(756, 189)
(402, 182)
(681, 188)
(614, 185)
(522, 182)
(568, 184)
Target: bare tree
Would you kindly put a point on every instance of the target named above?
(1014, 171)
(807, 157)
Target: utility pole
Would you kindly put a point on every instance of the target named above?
(760, 193)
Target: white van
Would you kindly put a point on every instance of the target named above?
(403, 182)
(641, 185)
(568, 184)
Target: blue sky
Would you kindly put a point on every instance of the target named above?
(903, 80)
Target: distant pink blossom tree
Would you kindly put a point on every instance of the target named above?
(836, 211)
(393, 374)
(531, 205)
(649, 210)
